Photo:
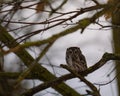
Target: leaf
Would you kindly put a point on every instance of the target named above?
(40, 7)
(109, 13)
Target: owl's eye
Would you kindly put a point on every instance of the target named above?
(70, 51)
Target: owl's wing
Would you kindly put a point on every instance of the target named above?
(69, 60)
(80, 63)
(83, 60)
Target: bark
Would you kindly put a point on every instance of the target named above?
(116, 37)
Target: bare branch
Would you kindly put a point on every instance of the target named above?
(106, 57)
(92, 87)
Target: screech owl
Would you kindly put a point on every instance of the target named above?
(75, 59)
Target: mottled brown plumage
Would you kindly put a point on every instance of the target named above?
(75, 59)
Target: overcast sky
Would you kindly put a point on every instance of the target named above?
(93, 43)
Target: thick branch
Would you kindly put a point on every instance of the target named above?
(38, 71)
(106, 57)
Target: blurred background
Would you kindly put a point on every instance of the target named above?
(40, 20)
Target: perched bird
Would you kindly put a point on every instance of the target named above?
(75, 59)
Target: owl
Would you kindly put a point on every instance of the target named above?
(75, 59)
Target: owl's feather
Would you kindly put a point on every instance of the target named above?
(75, 59)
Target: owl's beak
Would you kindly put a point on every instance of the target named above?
(74, 57)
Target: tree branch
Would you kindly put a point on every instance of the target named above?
(39, 71)
(105, 58)
(81, 24)
(92, 87)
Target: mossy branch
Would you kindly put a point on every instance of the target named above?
(105, 58)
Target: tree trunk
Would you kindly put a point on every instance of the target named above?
(116, 38)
